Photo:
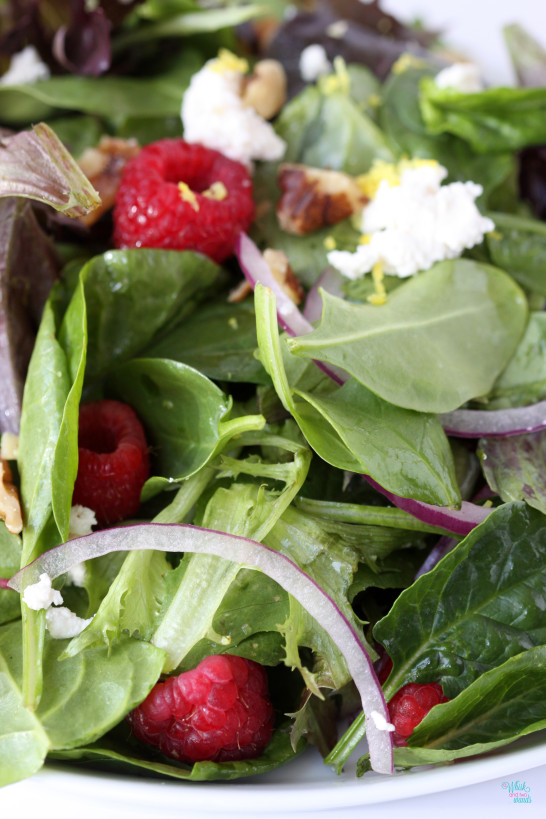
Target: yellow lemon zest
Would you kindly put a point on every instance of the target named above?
(374, 100)
(217, 191)
(330, 243)
(187, 195)
(390, 172)
(494, 234)
(365, 239)
(227, 61)
(380, 295)
(406, 61)
(338, 81)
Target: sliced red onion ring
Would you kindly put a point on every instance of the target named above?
(458, 521)
(465, 423)
(186, 538)
(256, 269)
(331, 281)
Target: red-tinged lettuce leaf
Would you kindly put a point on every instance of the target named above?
(514, 467)
(479, 606)
(28, 268)
(532, 178)
(35, 164)
(527, 55)
(83, 46)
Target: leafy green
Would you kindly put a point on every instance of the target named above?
(518, 245)
(441, 338)
(523, 381)
(514, 467)
(475, 609)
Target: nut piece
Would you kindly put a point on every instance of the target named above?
(103, 166)
(265, 89)
(314, 198)
(283, 274)
(10, 506)
(240, 292)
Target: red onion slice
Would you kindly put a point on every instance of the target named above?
(193, 539)
(465, 423)
(458, 521)
(331, 281)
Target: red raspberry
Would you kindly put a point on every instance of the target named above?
(410, 705)
(113, 461)
(152, 211)
(219, 711)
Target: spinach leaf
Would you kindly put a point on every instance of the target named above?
(523, 381)
(186, 416)
(441, 338)
(10, 562)
(518, 245)
(475, 609)
(494, 120)
(514, 467)
(355, 430)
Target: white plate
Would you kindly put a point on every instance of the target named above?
(306, 786)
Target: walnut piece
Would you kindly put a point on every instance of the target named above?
(104, 166)
(10, 506)
(314, 198)
(265, 89)
(283, 274)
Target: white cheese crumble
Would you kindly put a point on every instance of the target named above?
(63, 624)
(82, 521)
(42, 595)
(25, 68)
(412, 225)
(464, 77)
(214, 114)
(380, 722)
(314, 63)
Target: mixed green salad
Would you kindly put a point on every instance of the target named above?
(353, 480)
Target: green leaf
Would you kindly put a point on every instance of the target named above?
(355, 430)
(523, 381)
(518, 245)
(441, 338)
(10, 562)
(514, 467)
(494, 120)
(23, 741)
(475, 609)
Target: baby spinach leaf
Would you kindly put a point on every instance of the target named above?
(186, 416)
(518, 245)
(23, 741)
(475, 609)
(497, 119)
(353, 429)
(219, 340)
(523, 381)
(441, 338)
(514, 467)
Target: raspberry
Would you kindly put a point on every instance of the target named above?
(180, 196)
(219, 711)
(410, 705)
(113, 461)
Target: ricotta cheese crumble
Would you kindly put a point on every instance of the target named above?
(314, 63)
(215, 115)
(60, 621)
(464, 77)
(25, 68)
(413, 221)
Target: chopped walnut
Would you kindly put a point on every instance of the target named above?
(283, 274)
(314, 198)
(265, 89)
(10, 506)
(240, 292)
(104, 166)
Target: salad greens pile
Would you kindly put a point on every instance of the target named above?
(431, 543)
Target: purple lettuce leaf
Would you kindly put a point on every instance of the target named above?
(83, 45)
(35, 164)
(515, 467)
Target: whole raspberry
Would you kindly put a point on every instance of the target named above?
(410, 705)
(180, 196)
(219, 711)
(113, 461)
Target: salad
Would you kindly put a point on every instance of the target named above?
(274, 390)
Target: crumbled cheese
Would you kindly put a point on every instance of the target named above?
(415, 223)
(463, 77)
(82, 521)
(25, 68)
(314, 63)
(338, 29)
(63, 623)
(9, 448)
(42, 595)
(76, 575)
(380, 722)
(214, 114)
